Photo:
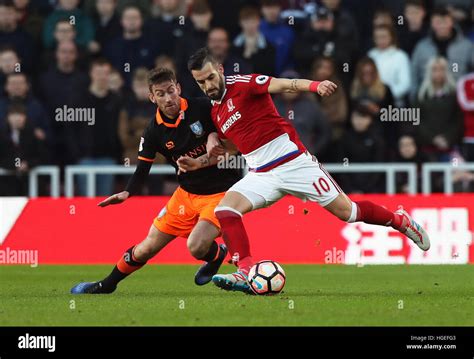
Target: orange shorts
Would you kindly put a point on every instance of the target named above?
(184, 210)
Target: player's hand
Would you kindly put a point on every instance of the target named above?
(214, 146)
(115, 199)
(186, 163)
(326, 88)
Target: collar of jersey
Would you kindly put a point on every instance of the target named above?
(183, 107)
(220, 101)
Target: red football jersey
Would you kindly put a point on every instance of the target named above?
(247, 116)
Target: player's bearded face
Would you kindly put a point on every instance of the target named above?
(211, 81)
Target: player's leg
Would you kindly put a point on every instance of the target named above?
(202, 245)
(132, 260)
(372, 213)
(323, 189)
(254, 191)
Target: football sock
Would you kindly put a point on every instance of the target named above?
(235, 237)
(372, 213)
(124, 267)
(212, 254)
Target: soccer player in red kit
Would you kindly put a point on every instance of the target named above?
(244, 115)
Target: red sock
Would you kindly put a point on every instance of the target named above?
(235, 238)
(372, 213)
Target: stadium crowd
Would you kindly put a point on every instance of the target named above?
(73, 78)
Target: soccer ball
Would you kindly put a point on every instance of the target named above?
(266, 278)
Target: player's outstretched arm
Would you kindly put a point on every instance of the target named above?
(324, 88)
(134, 185)
(115, 199)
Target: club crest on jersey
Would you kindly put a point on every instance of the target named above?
(230, 105)
(261, 79)
(197, 128)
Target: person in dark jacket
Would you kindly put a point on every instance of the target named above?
(97, 139)
(362, 143)
(20, 151)
(134, 47)
(61, 86)
(252, 45)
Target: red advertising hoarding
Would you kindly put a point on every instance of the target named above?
(77, 231)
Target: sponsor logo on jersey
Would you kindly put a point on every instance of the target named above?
(230, 105)
(169, 145)
(197, 129)
(261, 79)
(230, 121)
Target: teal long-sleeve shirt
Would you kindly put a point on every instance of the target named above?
(83, 24)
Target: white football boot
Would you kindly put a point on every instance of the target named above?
(415, 232)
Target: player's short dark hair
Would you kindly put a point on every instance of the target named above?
(160, 75)
(16, 107)
(200, 58)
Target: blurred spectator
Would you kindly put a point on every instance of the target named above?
(9, 63)
(460, 10)
(465, 95)
(346, 28)
(135, 115)
(219, 47)
(90, 6)
(304, 113)
(362, 143)
(133, 48)
(68, 10)
(61, 86)
(369, 89)
(12, 35)
(297, 10)
(278, 33)
(321, 38)
(226, 15)
(29, 19)
(335, 107)
(392, 63)
(195, 36)
(20, 151)
(160, 7)
(65, 32)
(116, 83)
(441, 120)
(98, 141)
(415, 26)
(444, 40)
(382, 17)
(168, 26)
(251, 45)
(17, 89)
(107, 22)
(167, 62)
(408, 152)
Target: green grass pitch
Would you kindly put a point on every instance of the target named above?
(315, 295)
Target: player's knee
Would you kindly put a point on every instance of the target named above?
(343, 213)
(197, 248)
(144, 251)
